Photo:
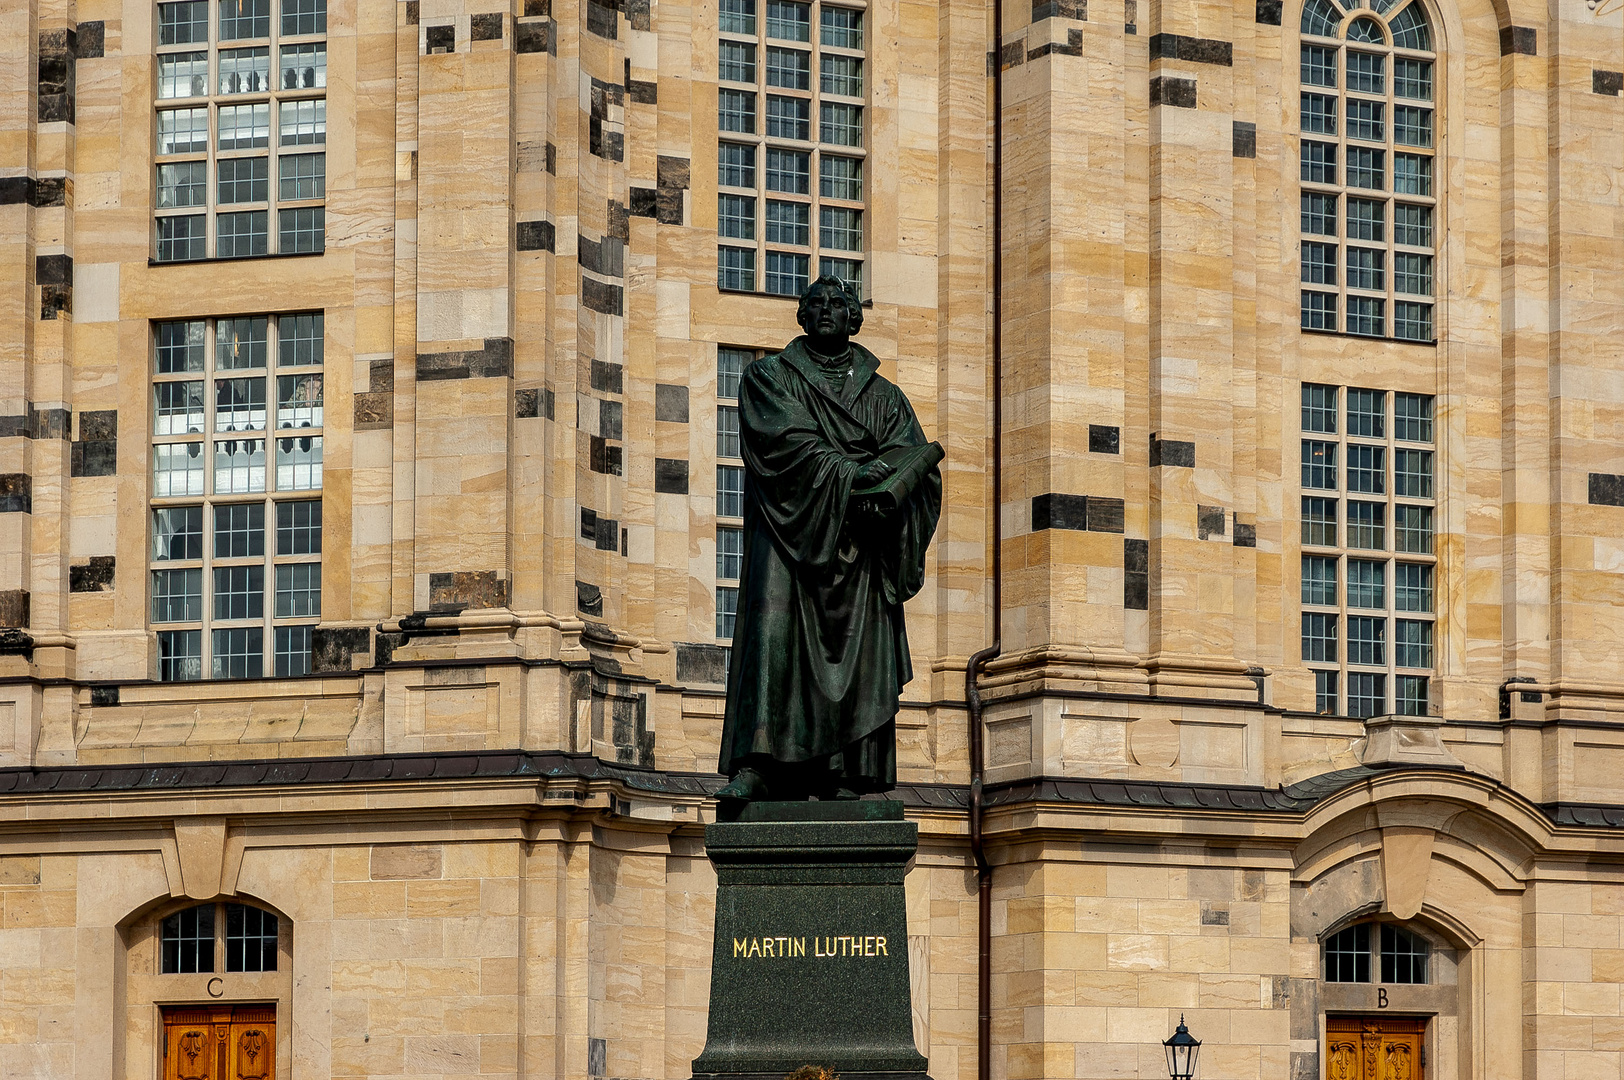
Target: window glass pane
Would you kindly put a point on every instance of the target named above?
(1412, 643)
(730, 490)
(298, 464)
(292, 650)
(239, 531)
(1367, 644)
(298, 590)
(1319, 408)
(240, 343)
(1412, 588)
(304, 17)
(1367, 693)
(737, 16)
(241, 235)
(1325, 684)
(736, 111)
(1319, 114)
(1366, 269)
(1412, 473)
(177, 469)
(1319, 464)
(1319, 66)
(245, 19)
(245, 127)
(1367, 469)
(730, 364)
(239, 592)
(184, 23)
(179, 346)
(789, 118)
(841, 27)
(244, 180)
(789, 171)
(729, 552)
(1367, 584)
(177, 595)
(304, 123)
(183, 131)
(183, 75)
(840, 177)
(1412, 79)
(245, 71)
(789, 68)
(786, 273)
(1412, 225)
(1320, 18)
(1319, 311)
(177, 533)
(239, 405)
(849, 271)
(1412, 530)
(1412, 417)
(250, 939)
(1347, 955)
(1367, 525)
(177, 408)
(1366, 168)
(736, 61)
(841, 75)
(1319, 214)
(1367, 413)
(736, 269)
(186, 940)
(1319, 162)
(180, 656)
(1367, 73)
(239, 653)
(727, 607)
(239, 466)
(840, 228)
(1412, 174)
(1412, 126)
(303, 230)
(298, 528)
(1319, 637)
(788, 223)
(1366, 316)
(1412, 273)
(840, 124)
(1410, 29)
(1319, 521)
(304, 67)
(1412, 321)
(736, 165)
(182, 184)
(1365, 30)
(1411, 694)
(736, 216)
(727, 431)
(1319, 579)
(789, 21)
(301, 176)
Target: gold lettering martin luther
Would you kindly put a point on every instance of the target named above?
(823, 948)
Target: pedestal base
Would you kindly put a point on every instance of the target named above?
(811, 959)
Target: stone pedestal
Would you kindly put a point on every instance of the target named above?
(811, 958)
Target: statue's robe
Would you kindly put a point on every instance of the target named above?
(820, 655)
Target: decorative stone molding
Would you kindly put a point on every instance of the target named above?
(1392, 741)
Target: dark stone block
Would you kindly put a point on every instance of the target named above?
(54, 108)
(1012, 54)
(104, 695)
(381, 374)
(1168, 90)
(643, 202)
(610, 424)
(602, 297)
(603, 457)
(333, 648)
(547, 403)
(601, 19)
(1268, 12)
(608, 538)
(669, 206)
(1130, 17)
(811, 958)
(492, 361)
(16, 190)
(670, 476)
(464, 589)
(96, 425)
(701, 663)
(526, 404)
(1060, 9)
(53, 191)
(535, 235)
(589, 601)
(1057, 511)
(620, 224)
(14, 607)
(440, 39)
(485, 27)
(55, 301)
(14, 427)
(1104, 440)
(671, 403)
(1191, 49)
(642, 93)
(94, 576)
(92, 43)
(1210, 521)
(1606, 489)
(1171, 452)
(606, 256)
(597, 1057)
(1521, 40)
(533, 36)
(1610, 83)
(374, 410)
(412, 8)
(54, 423)
(639, 15)
(1136, 556)
(1305, 1065)
(533, 8)
(551, 153)
(1136, 592)
(1105, 514)
(589, 524)
(672, 172)
(1245, 535)
(1244, 139)
(16, 493)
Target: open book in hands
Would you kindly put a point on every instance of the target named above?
(909, 465)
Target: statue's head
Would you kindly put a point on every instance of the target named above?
(829, 309)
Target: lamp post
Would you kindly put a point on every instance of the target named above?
(1182, 1050)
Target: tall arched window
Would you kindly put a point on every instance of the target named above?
(1369, 205)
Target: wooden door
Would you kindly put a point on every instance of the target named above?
(1374, 1048)
(219, 1042)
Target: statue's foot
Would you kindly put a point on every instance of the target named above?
(747, 785)
(845, 794)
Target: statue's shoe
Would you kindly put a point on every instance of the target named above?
(747, 785)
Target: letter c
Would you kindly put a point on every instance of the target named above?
(217, 987)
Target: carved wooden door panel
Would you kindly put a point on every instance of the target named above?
(1374, 1047)
(219, 1042)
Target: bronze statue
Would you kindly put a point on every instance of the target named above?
(841, 496)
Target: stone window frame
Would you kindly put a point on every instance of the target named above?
(1402, 690)
(1316, 294)
(295, 629)
(745, 264)
(307, 214)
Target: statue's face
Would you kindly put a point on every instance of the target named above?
(826, 314)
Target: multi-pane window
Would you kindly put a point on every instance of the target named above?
(242, 125)
(1354, 955)
(1367, 76)
(730, 364)
(1385, 606)
(189, 942)
(791, 113)
(235, 557)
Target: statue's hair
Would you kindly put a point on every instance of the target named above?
(854, 307)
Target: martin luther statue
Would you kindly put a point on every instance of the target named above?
(841, 497)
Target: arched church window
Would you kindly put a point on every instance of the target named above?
(1368, 139)
(1354, 953)
(189, 943)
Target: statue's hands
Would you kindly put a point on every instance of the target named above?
(875, 472)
